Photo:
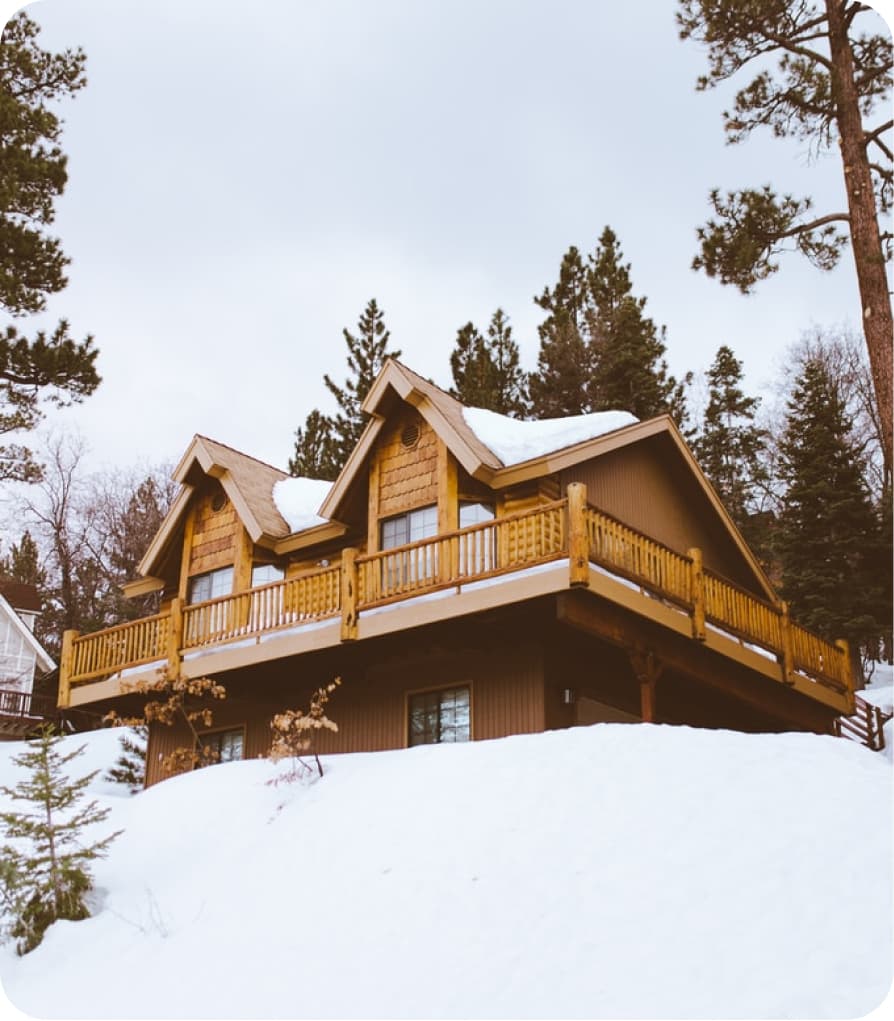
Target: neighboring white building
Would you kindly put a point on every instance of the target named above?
(21, 655)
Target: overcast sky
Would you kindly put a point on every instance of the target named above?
(243, 178)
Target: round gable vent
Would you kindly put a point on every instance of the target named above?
(409, 436)
(219, 500)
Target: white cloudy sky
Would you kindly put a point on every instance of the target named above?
(243, 178)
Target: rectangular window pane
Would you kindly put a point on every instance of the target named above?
(211, 585)
(264, 574)
(439, 716)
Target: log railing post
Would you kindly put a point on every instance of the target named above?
(66, 663)
(697, 593)
(349, 594)
(175, 638)
(845, 650)
(578, 541)
(788, 658)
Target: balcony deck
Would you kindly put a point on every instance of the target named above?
(557, 546)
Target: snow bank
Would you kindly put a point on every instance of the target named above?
(299, 499)
(514, 441)
(620, 871)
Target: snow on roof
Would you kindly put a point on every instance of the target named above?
(299, 499)
(514, 441)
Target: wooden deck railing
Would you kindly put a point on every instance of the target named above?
(563, 528)
(280, 604)
(468, 554)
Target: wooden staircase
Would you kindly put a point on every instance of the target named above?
(866, 725)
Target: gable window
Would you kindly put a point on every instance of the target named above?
(409, 527)
(406, 568)
(264, 574)
(223, 745)
(436, 717)
(211, 585)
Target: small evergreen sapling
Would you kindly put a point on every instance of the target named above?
(130, 766)
(45, 872)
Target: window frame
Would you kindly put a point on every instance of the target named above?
(192, 601)
(468, 684)
(219, 731)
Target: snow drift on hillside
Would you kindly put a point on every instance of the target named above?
(613, 870)
(514, 441)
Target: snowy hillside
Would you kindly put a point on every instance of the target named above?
(620, 871)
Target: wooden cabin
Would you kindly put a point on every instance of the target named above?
(22, 660)
(468, 577)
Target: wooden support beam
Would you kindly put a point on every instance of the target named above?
(65, 667)
(647, 669)
(372, 508)
(175, 638)
(578, 540)
(697, 593)
(189, 526)
(349, 594)
(845, 648)
(448, 510)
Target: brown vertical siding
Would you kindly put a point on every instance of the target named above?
(648, 487)
(370, 706)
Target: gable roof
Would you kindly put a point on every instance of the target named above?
(445, 415)
(41, 655)
(250, 483)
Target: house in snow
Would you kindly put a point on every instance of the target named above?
(467, 576)
(22, 657)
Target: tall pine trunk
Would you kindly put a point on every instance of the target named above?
(864, 230)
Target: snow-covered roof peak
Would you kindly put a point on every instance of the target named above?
(299, 499)
(514, 441)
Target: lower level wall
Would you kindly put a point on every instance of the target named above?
(506, 683)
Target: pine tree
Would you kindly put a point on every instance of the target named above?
(828, 533)
(32, 264)
(511, 397)
(474, 373)
(367, 353)
(598, 350)
(22, 563)
(559, 386)
(46, 871)
(130, 766)
(730, 447)
(629, 372)
(314, 456)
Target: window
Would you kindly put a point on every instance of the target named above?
(417, 524)
(211, 585)
(476, 552)
(223, 745)
(264, 574)
(404, 568)
(439, 716)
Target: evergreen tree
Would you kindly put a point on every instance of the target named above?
(474, 372)
(367, 353)
(314, 456)
(45, 873)
(22, 563)
(559, 386)
(486, 372)
(511, 397)
(598, 350)
(130, 766)
(629, 372)
(730, 447)
(828, 535)
(32, 175)
(820, 72)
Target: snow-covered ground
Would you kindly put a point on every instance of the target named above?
(607, 871)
